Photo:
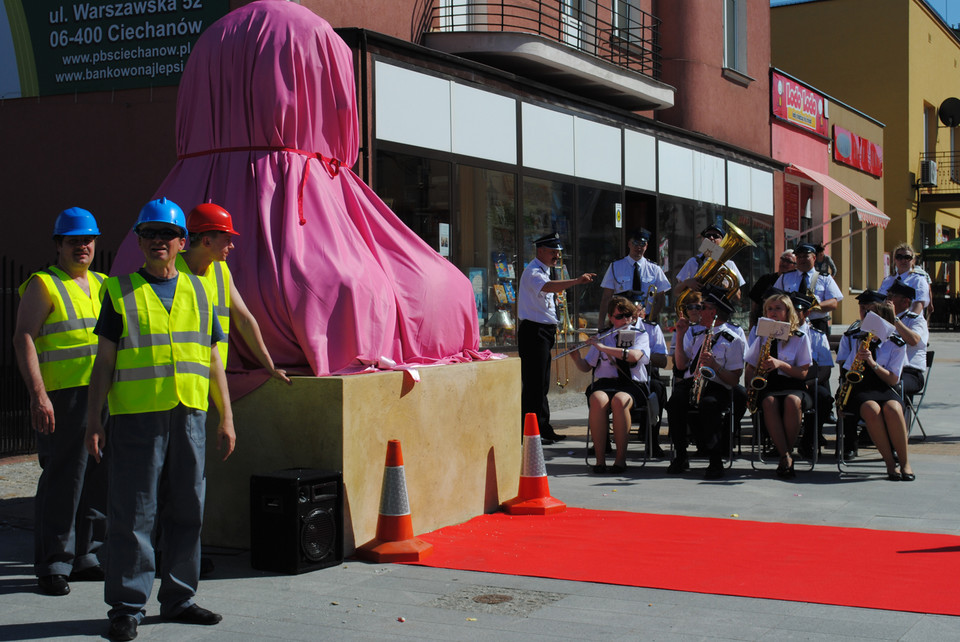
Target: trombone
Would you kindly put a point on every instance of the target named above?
(564, 330)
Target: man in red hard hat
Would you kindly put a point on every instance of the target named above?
(211, 232)
(55, 348)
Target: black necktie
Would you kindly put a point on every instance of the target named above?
(774, 349)
(637, 279)
(804, 283)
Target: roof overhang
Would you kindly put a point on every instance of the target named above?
(557, 64)
(866, 211)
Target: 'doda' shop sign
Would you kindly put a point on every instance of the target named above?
(59, 47)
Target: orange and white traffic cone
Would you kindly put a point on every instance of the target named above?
(394, 541)
(534, 495)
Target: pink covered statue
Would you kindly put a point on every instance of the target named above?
(267, 127)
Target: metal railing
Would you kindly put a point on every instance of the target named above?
(613, 31)
(16, 435)
(945, 173)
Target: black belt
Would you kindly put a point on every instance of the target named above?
(542, 325)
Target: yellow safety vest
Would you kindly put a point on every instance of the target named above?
(67, 346)
(217, 280)
(163, 359)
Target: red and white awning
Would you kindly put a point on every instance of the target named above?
(866, 211)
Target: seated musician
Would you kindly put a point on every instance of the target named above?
(723, 354)
(658, 359)
(785, 370)
(912, 327)
(620, 375)
(875, 398)
(819, 374)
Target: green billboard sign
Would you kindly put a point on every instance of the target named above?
(58, 47)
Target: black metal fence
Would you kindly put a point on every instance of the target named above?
(16, 435)
(617, 32)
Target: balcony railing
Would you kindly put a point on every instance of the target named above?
(627, 38)
(938, 176)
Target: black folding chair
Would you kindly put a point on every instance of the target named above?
(913, 407)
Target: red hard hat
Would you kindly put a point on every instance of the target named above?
(208, 217)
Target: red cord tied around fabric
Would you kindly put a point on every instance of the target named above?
(332, 165)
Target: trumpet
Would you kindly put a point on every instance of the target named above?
(582, 344)
(853, 376)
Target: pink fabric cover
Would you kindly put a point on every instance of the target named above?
(353, 283)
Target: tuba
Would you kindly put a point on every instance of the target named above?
(714, 272)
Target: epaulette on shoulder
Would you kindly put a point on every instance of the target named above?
(853, 329)
(729, 336)
(897, 340)
(817, 330)
(653, 323)
(733, 323)
(912, 315)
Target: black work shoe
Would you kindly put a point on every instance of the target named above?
(89, 574)
(196, 614)
(553, 435)
(678, 465)
(123, 627)
(714, 470)
(53, 584)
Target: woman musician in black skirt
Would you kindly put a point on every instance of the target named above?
(619, 381)
(783, 365)
(875, 398)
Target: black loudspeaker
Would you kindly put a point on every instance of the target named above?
(296, 520)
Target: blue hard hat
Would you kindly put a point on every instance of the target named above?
(162, 210)
(75, 221)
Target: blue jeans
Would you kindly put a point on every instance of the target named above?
(156, 463)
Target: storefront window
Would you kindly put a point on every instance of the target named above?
(682, 222)
(418, 191)
(488, 224)
(597, 245)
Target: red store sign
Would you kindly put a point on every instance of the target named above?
(798, 105)
(852, 150)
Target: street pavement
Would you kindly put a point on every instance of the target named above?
(364, 601)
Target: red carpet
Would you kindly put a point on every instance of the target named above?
(891, 570)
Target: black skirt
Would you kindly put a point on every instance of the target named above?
(613, 385)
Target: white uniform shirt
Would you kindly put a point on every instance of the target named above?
(627, 337)
(916, 355)
(825, 288)
(915, 280)
(795, 351)
(819, 347)
(689, 269)
(891, 355)
(658, 345)
(533, 304)
(619, 276)
(728, 347)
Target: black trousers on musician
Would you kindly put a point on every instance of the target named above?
(534, 345)
(709, 426)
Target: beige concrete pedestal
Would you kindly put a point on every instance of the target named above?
(459, 428)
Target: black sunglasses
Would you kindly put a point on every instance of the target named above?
(904, 257)
(623, 315)
(164, 234)
(694, 306)
(713, 237)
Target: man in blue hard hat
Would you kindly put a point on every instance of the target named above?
(55, 348)
(157, 364)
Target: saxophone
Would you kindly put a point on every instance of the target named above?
(853, 376)
(759, 381)
(703, 373)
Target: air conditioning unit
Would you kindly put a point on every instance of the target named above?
(928, 173)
